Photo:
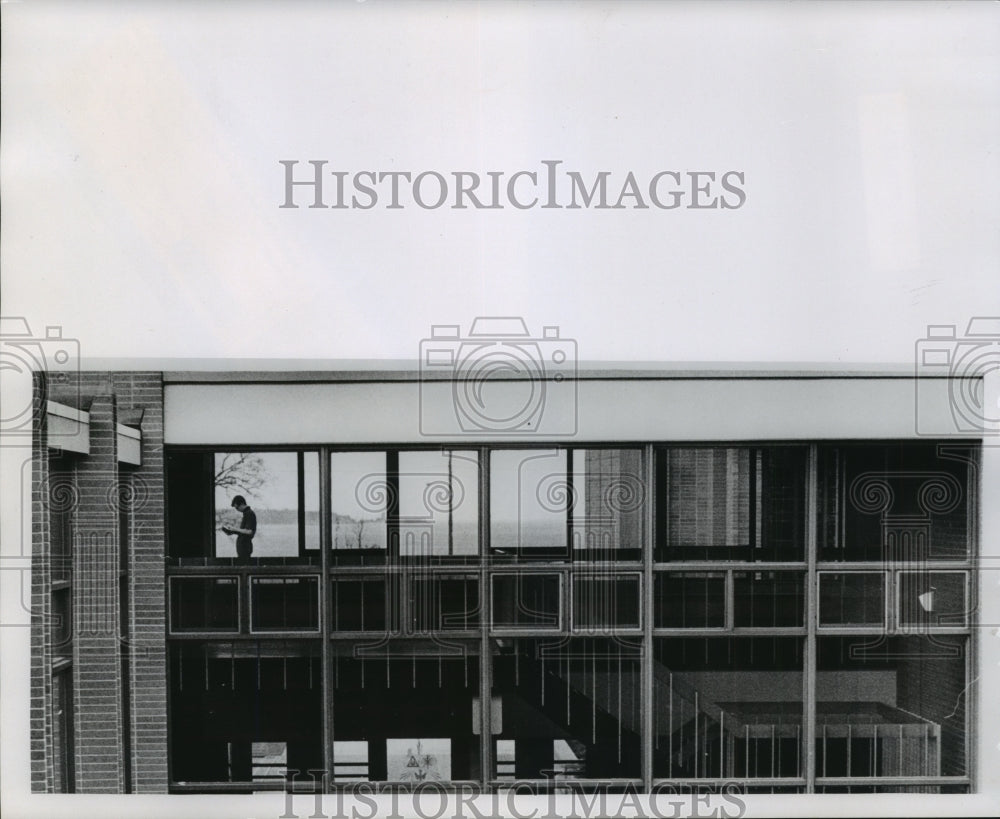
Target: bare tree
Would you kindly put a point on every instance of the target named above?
(241, 472)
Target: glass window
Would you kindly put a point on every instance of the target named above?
(360, 497)
(61, 533)
(233, 705)
(573, 706)
(204, 604)
(411, 706)
(689, 600)
(190, 492)
(309, 510)
(62, 732)
(284, 603)
(269, 481)
(606, 602)
(768, 599)
(891, 706)
(731, 503)
(529, 502)
(607, 503)
(851, 599)
(901, 502)
(359, 604)
(527, 600)
(707, 497)
(444, 603)
(439, 504)
(930, 598)
(280, 488)
(62, 623)
(727, 707)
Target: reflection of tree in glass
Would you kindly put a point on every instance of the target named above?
(350, 532)
(239, 473)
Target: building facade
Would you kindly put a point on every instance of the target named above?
(674, 579)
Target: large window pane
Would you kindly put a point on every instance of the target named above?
(269, 481)
(529, 502)
(438, 504)
(441, 602)
(204, 604)
(526, 600)
(573, 707)
(707, 497)
(607, 503)
(190, 493)
(928, 599)
(284, 603)
(851, 598)
(689, 600)
(731, 503)
(768, 599)
(359, 604)
(245, 710)
(606, 602)
(891, 706)
(360, 495)
(397, 701)
(902, 502)
(727, 707)
(281, 488)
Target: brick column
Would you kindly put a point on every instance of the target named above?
(96, 664)
(41, 706)
(147, 586)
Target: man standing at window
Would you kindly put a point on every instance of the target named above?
(247, 529)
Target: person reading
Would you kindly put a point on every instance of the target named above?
(245, 531)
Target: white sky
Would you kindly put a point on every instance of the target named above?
(141, 181)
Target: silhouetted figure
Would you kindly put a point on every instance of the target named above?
(246, 530)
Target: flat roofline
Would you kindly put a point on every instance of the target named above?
(269, 370)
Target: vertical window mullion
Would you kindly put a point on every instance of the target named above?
(326, 607)
(809, 655)
(648, 547)
(486, 618)
(729, 614)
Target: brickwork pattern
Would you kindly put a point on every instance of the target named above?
(100, 486)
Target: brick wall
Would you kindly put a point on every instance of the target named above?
(97, 692)
(147, 601)
(100, 487)
(40, 708)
